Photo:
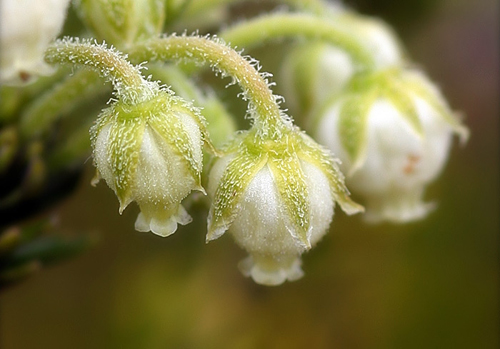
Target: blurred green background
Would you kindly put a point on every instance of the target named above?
(430, 284)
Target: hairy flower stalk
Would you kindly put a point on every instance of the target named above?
(264, 109)
(297, 25)
(126, 78)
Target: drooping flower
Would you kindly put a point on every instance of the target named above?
(392, 130)
(276, 198)
(151, 153)
(26, 29)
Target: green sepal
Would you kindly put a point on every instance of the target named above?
(396, 93)
(171, 130)
(235, 180)
(125, 139)
(420, 88)
(353, 125)
(315, 154)
(292, 188)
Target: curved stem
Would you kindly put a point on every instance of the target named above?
(62, 98)
(263, 106)
(125, 77)
(197, 7)
(278, 26)
(314, 6)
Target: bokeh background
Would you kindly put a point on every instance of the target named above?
(429, 284)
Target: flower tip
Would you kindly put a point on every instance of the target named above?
(463, 134)
(161, 226)
(164, 228)
(350, 207)
(201, 189)
(270, 276)
(304, 240)
(123, 204)
(399, 214)
(214, 233)
(95, 180)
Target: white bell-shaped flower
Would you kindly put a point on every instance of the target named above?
(26, 29)
(392, 131)
(277, 200)
(151, 153)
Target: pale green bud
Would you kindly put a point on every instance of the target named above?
(26, 29)
(123, 22)
(276, 197)
(378, 38)
(316, 72)
(392, 130)
(151, 153)
(312, 73)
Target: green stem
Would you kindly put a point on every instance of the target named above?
(263, 106)
(196, 7)
(279, 26)
(58, 101)
(177, 80)
(317, 7)
(125, 77)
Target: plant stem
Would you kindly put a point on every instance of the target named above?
(58, 101)
(264, 109)
(125, 77)
(314, 6)
(279, 26)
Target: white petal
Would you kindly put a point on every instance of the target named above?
(269, 274)
(160, 221)
(26, 29)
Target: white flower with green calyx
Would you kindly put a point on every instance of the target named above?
(151, 152)
(123, 22)
(276, 197)
(26, 29)
(392, 130)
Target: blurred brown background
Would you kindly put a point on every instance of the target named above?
(430, 284)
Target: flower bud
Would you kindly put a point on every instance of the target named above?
(123, 22)
(315, 72)
(392, 130)
(276, 197)
(26, 29)
(375, 35)
(151, 153)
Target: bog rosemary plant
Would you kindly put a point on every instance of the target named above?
(271, 186)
